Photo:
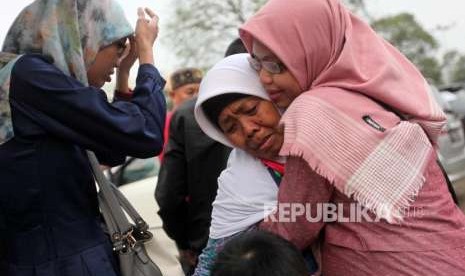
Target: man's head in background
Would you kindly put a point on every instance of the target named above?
(236, 47)
(184, 85)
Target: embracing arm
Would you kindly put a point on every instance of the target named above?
(301, 188)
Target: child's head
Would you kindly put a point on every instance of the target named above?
(234, 109)
(259, 253)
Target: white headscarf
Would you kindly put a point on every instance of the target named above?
(246, 191)
(233, 74)
(246, 195)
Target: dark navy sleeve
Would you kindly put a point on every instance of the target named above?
(65, 108)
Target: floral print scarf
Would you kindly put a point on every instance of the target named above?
(71, 32)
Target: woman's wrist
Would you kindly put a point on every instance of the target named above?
(146, 56)
(122, 73)
(122, 81)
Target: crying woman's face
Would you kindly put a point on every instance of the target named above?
(252, 124)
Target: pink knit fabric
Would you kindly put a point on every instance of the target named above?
(338, 125)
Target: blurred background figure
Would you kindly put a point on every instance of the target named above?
(183, 85)
(236, 47)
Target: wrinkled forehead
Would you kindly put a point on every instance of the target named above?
(236, 108)
(237, 105)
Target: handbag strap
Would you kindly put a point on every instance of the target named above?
(119, 240)
(129, 209)
(112, 203)
(109, 196)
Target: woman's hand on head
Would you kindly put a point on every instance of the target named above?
(146, 34)
(125, 65)
(129, 58)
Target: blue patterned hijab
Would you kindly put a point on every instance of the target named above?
(70, 31)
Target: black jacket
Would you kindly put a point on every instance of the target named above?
(187, 182)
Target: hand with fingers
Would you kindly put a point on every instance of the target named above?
(130, 56)
(125, 65)
(146, 33)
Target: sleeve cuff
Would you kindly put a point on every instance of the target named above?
(149, 71)
(123, 96)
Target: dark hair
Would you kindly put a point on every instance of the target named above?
(259, 253)
(236, 47)
(215, 105)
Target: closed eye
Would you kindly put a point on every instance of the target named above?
(251, 111)
(231, 129)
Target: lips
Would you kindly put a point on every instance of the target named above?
(274, 94)
(266, 143)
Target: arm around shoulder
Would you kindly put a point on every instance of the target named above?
(301, 190)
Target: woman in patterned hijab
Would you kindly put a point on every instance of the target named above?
(71, 32)
(51, 97)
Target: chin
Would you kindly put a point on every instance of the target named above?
(283, 104)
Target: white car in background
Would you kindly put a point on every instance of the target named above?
(451, 142)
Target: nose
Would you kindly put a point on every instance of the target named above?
(249, 127)
(265, 77)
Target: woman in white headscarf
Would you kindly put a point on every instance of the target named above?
(234, 109)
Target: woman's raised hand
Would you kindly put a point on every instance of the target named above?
(130, 57)
(146, 33)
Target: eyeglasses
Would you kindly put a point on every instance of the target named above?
(271, 67)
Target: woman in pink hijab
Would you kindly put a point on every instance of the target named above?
(360, 130)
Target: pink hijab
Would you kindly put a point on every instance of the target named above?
(340, 124)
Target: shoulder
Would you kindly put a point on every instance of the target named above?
(184, 115)
(34, 66)
(34, 71)
(32, 62)
(187, 108)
